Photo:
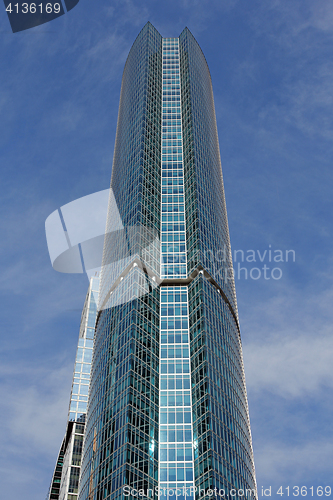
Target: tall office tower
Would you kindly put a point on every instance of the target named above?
(167, 402)
(65, 481)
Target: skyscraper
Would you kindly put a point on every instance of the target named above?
(167, 401)
(65, 480)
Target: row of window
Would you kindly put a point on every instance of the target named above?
(174, 248)
(181, 433)
(175, 382)
(174, 338)
(173, 308)
(172, 352)
(175, 398)
(175, 416)
(176, 474)
(172, 367)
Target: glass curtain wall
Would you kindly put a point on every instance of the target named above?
(121, 445)
(167, 401)
(175, 416)
(221, 426)
(66, 475)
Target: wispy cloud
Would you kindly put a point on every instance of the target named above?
(282, 464)
(289, 85)
(291, 367)
(288, 348)
(31, 398)
(34, 404)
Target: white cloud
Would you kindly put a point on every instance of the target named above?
(290, 367)
(279, 463)
(311, 102)
(322, 15)
(288, 353)
(294, 40)
(34, 398)
(34, 402)
(288, 348)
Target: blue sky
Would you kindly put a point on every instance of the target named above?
(271, 66)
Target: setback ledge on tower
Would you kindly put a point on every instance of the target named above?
(205, 274)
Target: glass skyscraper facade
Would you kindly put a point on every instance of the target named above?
(65, 481)
(167, 401)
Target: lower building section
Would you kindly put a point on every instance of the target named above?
(54, 489)
(65, 482)
(72, 460)
(167, 399)
(221, 428)
(121, 445)
(175, 414)
(168, 406)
